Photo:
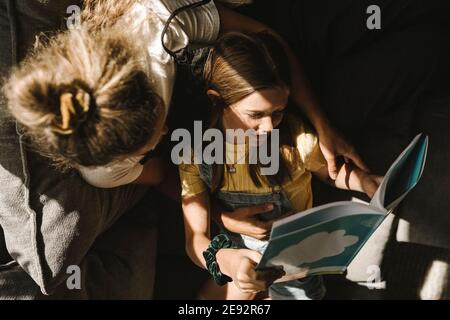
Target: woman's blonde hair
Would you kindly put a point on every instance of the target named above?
(84, 99)
(104, 14)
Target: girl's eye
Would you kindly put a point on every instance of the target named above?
(255, 115)
(259, 115)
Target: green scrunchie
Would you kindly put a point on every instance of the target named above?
(219, 242)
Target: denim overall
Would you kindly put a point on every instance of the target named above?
(310, 288)
(190, 62)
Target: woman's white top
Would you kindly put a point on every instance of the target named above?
(145, 23)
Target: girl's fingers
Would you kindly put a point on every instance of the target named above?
(251, 212)
(250, 280)
(253, 257)
(253, 286)
(270, 274)
(247, 277)
(261, 283)
(247, 283)
(262, 229)
(284, 215)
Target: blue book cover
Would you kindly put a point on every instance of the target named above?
(327, 238)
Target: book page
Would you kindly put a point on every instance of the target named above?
(327, 246)
(403, 175)
(318, 215)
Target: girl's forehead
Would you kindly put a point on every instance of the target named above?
(263, 100)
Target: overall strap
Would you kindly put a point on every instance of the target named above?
(206, 174)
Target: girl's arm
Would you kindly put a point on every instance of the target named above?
(332, 142)
(196, 226)
(239, 264)
(352, 178)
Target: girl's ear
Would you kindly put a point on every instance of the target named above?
(212, 94)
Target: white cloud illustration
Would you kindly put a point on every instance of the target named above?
(314, 248)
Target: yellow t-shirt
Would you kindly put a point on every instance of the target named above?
(298, 190)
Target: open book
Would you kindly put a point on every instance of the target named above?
(327, 238)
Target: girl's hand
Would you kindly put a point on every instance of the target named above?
(332, 145)
(245, 220)
(239, 264)
(370, 184)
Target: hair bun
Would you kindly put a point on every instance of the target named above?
(74, 109)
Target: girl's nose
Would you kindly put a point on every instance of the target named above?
(266, 125)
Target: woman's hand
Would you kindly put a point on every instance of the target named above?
(332, 145)
(245, 220)
(239, 264)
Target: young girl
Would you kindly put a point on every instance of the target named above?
(96, 98)
(248, 82)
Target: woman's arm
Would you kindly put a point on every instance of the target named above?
(352, 178)
(331, 142)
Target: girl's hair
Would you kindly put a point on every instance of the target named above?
(83, 99)
(238, 65)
